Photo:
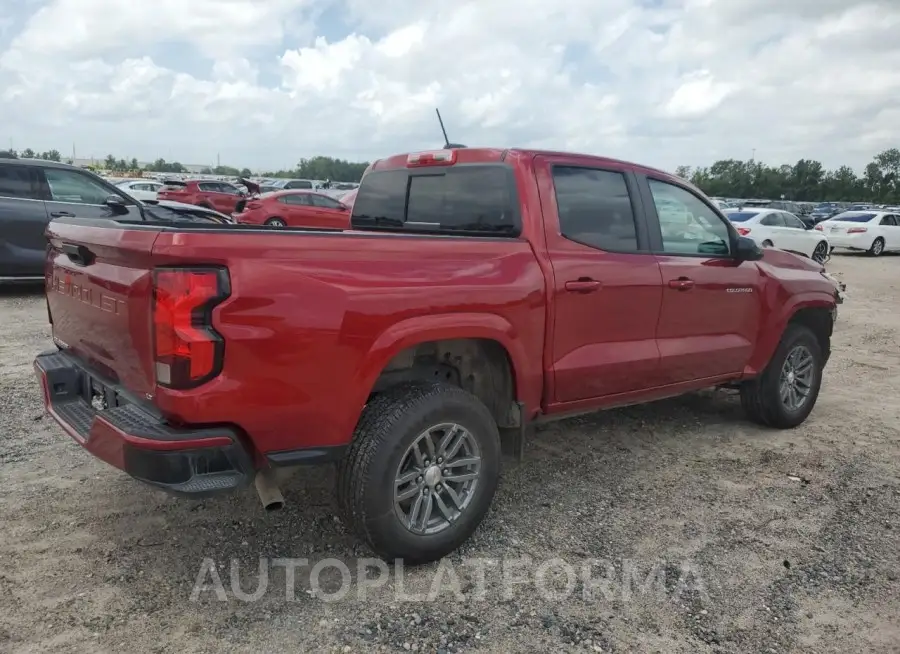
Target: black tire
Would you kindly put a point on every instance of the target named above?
(276, 222)
(767, 243)
(761, 397)
(877, 248)
(390, 423)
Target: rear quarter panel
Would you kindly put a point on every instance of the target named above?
(313, 318)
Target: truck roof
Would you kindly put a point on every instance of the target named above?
(491, 155)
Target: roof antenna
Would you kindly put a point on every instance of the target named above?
(447, 144)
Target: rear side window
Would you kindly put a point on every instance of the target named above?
(773, 220)
(299, 199)
(473, 199)
(18, 182)
(594, 208)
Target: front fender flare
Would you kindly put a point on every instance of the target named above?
(770, 333)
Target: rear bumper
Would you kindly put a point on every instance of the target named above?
(99, 416)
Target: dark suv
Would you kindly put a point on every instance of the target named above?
(33, 192)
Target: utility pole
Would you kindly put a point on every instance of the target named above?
(753, 156)
(218, 162)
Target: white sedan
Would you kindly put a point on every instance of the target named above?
(779, 229)
(141, 189)
(874, 232)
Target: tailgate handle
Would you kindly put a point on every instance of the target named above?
(78, 254)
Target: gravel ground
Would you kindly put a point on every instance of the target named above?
(705, 533)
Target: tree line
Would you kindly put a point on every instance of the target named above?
(807, 180)
(320, 167)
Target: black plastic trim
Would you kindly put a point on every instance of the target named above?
(310, 456)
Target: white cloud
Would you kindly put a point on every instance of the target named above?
(266, 82)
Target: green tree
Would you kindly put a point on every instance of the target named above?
(28, 153)
(226, 170)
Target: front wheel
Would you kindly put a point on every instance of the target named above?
(767, 243)
(421, 472)
(786, 392)
(275, 222)
(820, 254)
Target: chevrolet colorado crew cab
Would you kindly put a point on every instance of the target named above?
(477, 292)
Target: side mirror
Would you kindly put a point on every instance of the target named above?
(747, 249)
(116, 203)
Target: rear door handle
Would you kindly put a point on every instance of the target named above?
(583, 285)
(61, 214)
(681, 284)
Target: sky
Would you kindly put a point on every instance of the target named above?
(263, 83)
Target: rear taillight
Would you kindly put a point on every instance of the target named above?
(857, 230)
(743, 231)
(187, 350)
(253, 205)
(431, 158)
(818, 228)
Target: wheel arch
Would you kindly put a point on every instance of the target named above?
(813, 310)
(478, 352)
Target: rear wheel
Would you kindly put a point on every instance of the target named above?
(276, 222)
(786, 392)
(877, 247)
(767, 243)
(421, 472)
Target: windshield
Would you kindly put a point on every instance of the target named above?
(741, 216)
(478, 199)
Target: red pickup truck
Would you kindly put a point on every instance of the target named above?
(478, 292)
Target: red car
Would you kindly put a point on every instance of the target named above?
(293, 209)
(220, 196)
(478, 293)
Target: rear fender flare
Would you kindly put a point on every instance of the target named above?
(770, 332)
(422, 329)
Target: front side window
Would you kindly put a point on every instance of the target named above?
(18, 182)
(594, 208)
(688, 225)
(74, 187)
(793, 222)
(325, 202)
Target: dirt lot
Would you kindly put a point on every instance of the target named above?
(792, 539)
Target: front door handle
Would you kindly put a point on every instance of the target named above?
(681, 284)
(583, 285)
(62, 214)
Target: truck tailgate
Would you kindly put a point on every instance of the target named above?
(99, 295)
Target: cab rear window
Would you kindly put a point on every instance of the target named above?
(476, 199)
